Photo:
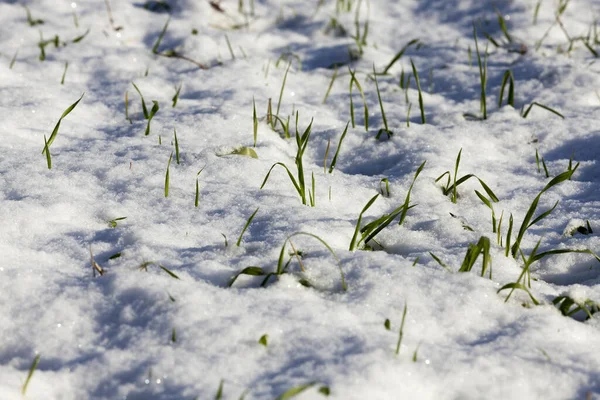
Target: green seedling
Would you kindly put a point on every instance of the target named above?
(114, 222)
(423, 121)
(337, 151)
(354, 82)
(499, 229)
(408, 115)
(527, 221)
(361, 40)
(144, 267)
(526, 271)
(482, 74)
(553, 111)
(385, 128)
(398, 56)
(48, 142)
(153, 112)
(62, 81)
(160, 37)
(473, 252)
(508, 235)
(176, 146)
(174, 336)
(32, 369)
(167, 176)
(282, 88)
(13, 60)
(326, 156)
(254, 121)
(239, 241)
(299, 183)
(452, 188)
(507, 78)
(176, 96)
(264, 340)
(30, 20)
(354, 241)
(335, 74)
(401, 331)
(406, 206)
(414, 357)
(569, 307)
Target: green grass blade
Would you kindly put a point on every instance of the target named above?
(34, 365)
(407, 199)
(283, 87)
(252, 271)
(254, 121)
(239, 241)
(399, 54)
(55, 131)
(160, 37)
(153, 112)
(401, 331)
(298, 189)
(353, 242)
(296, 390)
(176, 96)
(167, 176)
(144, 108)
(416, 75)
(335, 74)
(337, 151)
(176, 146)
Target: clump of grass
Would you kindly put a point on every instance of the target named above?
(32, 369)
(50, 140)
(528, 221)
(482, 247)
(523, 282)
(355, 82)
(421, 107)
(569, 307)
(507, 78)
(239, 241)
(451, 188)
(299, 182)
(526, 111)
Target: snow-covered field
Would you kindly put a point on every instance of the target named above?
(161, 322)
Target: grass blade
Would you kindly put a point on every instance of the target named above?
(34, 365)
(337, 151)
(239, 241)
(423, 121)
(55, 131)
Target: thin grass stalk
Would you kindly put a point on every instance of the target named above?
(416, 75)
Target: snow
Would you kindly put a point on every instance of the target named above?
(112, 336)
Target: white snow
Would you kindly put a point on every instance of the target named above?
(134, 334)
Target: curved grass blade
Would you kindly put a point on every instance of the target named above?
(296, 390)
(289, 174)
(398, 55)
(516, 285)
(252, 271)
(553, 111)
(353, 242)
(280, 263)
(355, 82)
(144, 108)
(154, 110)
(337, 151)
(239, 241)
(55, 130)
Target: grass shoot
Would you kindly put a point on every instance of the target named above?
(401, 331)
(385, 128)
(176, 146)
(355, 82)
(50, 140)
(239, 241)
(62, 81)
(32, 369)
(422, 108)
(507, 78)
(337, 151)
(167, 176)
(176, 96)
(525, 113)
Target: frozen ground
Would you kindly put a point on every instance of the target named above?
(132, 334)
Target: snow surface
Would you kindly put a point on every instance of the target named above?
(111, 337)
